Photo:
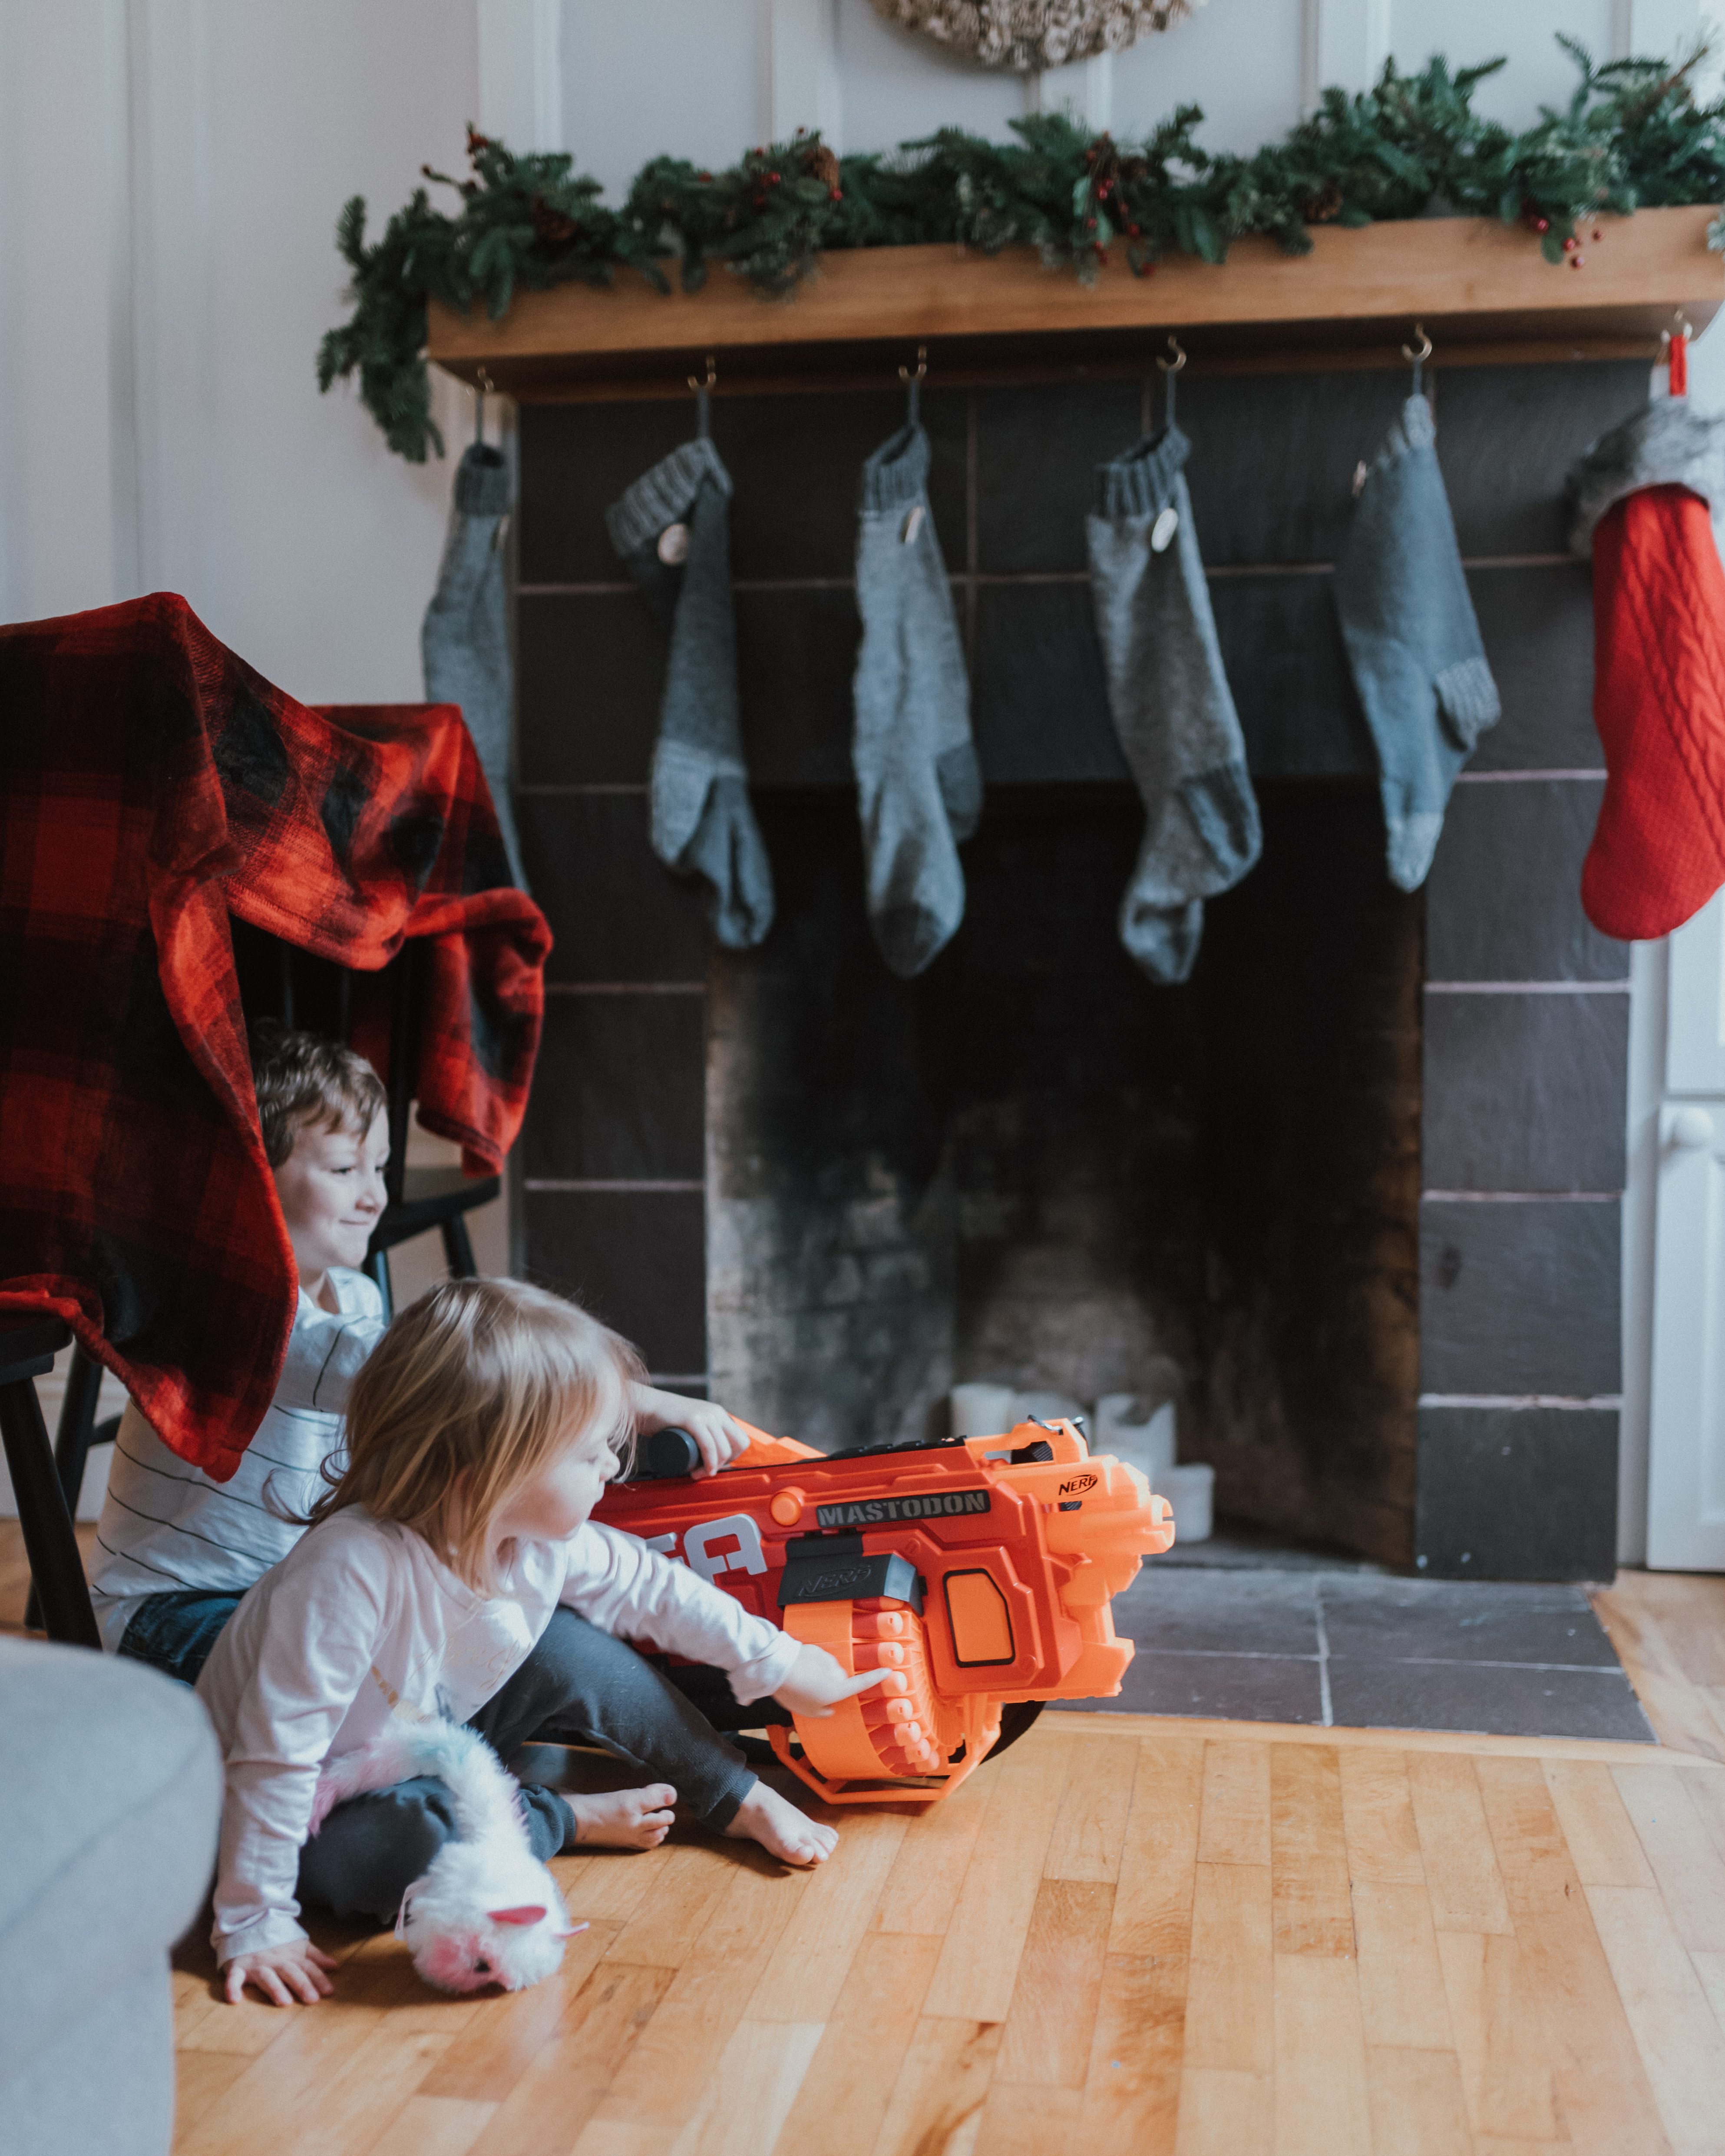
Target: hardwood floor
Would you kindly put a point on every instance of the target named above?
(1158, 1939)
(1156, 1936)
(1669, 1630)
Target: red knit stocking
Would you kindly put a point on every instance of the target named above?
(1658, 855)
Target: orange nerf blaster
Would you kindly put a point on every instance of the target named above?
(979, 1570)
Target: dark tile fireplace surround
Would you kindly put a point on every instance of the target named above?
(1359, 1178)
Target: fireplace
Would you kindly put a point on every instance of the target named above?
(1357, 1180)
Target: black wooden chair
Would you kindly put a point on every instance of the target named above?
(28, 1347)
(296, 988)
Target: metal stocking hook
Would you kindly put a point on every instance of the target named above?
(1418, 359)
(913, 385)
(1171, 368)
(483, 386)
(703, 390)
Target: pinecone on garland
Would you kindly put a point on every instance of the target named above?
(551, 224)
(1323, 208)
(822, 164)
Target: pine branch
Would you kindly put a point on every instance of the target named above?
(1631, 133)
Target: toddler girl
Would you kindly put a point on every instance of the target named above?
(453, 1569)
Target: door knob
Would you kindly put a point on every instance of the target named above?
(1690, 1128)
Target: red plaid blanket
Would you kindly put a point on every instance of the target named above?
(154, 783)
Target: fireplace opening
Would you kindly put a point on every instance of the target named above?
(1033, 1166)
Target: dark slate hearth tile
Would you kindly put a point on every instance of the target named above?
(1520, 1297)
(1517, 1493)
(589, 673)
(1037, 452)
(1220, 1687)
(1538, 627)
(1038, 705)
(576, 460)
(1506, 437)
(1502, 1703)
(795, 463)
(1525, 1092)
(1503, 901)
(1271, 469)
(619, 1091)
(636, 1259)
(796, 654)
(616, 913)
(1266, 1613)
(1283, 655)
(1389, 1621)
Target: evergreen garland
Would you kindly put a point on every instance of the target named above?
(1632, 134)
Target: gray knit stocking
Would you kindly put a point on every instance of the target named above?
(702, 823)
(1171, 704)
(919, 788)
(464, 639)
(1412, 640)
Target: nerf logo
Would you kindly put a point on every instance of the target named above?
(881, 1511)
(1079, 1484)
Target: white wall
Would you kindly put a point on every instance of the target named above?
(705, 78)
(172, 170)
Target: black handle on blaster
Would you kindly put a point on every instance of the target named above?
(663, 1453)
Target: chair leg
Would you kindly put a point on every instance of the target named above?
(49, 1541)
(71, 1447)
(458, 1248)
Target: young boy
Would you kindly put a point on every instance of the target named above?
(175, 1550)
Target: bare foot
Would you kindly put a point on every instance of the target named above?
(622, 1819)
(790, 1836)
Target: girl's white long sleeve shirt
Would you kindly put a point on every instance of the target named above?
(361, 1620)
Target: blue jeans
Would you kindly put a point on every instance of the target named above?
(176, 1632)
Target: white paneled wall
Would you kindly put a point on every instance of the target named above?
(706, 77)
(172, 170)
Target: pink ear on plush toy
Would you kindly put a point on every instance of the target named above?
(530, 1912)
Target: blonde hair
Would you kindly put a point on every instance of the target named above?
(467, 1397)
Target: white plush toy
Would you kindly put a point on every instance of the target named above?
(487, 1912)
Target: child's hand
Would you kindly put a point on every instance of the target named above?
(816, 1683)
(719, 1437)
(297, 1968)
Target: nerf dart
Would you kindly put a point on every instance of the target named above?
(977, 1572)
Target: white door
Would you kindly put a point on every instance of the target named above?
(1685, 1493)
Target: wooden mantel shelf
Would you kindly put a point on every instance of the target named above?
(1482, 290)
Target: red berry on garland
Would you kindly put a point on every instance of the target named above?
(1576, 260)
(1132, 231)
(773, 179)
(1090, 224)
(1541, 224)
(1598, 235)
(1569, 245)
(838, 194)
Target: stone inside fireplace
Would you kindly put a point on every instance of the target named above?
(1031, 1166)
(1359, 1178)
